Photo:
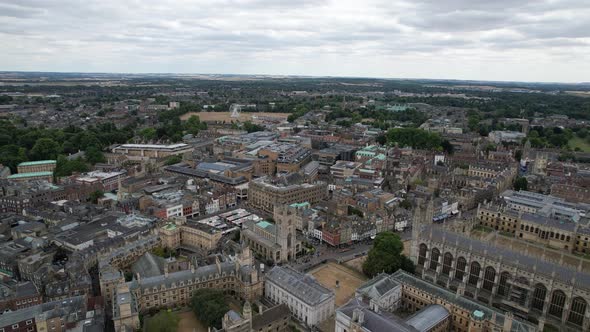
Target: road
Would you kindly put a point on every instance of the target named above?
(325, 252)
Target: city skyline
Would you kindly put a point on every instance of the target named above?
(547, 41)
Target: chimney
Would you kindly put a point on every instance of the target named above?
(166, 271)
(508, 321)
(358, 316)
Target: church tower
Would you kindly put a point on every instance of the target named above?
(285, 228)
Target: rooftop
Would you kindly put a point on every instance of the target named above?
(29, 175)
(38, 162)
(300, 285)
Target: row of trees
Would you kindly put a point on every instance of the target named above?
(24, 144)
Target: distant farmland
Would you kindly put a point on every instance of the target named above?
(225, 116)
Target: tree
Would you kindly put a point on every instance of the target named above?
(45, 148)
(65, 167)
(95, 196)
(94, 155)
(193, 125)
(12, 155)
(521, 183)
(353, 210)
(250, 127)
(209, 306)
(416, 138)
(447, 146)
(148, 134)
(386, 255)
(163, 321)
(173, 160)
(405, 204)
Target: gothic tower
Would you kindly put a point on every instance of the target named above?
(285, 237)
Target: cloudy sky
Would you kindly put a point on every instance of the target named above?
(540, 40)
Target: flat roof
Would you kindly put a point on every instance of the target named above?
(38, 162)
(153, 146)
(29, 175)
(264, 224)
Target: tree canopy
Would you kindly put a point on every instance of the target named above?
(209, 306)
(521, 183)
(24, 144)
(387, 256)
(163, 321)
(415, 138)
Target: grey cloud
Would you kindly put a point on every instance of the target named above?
(316, 32)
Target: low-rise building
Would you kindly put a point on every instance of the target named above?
(32, 176)
(152, 150)
(36, 166)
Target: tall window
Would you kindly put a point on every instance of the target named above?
(422, 254)
(577, 311)
(474, 273)
(488, 278)
(434, 258)
(556, 304)
(460, 270)
(447, 263)
(538, 300)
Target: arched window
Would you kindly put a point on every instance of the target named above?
(474, 273)
(556, 304)
(539, 294)
(447, 263)
(503, 286)
(422, 254)
(434, 255)
(577, 311)
(488, 278)
(460, 269)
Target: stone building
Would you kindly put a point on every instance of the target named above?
(275, 319)
(309, 302)
(432, 308)
(189, 235)
(152, 150)
(533, 288)
(565, 235)
(235, 276)
(36, 166)
(275, 242)
(264, 195)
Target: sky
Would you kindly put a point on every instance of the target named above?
(506, 40)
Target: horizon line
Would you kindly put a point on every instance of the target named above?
(295, 76)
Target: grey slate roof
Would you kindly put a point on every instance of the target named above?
(201, 273)
(428, 317)
(300, 285)
(273, 314)
(378, 286)
(375, 322)
(149, 265)
(468, 304)
(509, 257)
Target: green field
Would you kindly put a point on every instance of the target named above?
(577, 142)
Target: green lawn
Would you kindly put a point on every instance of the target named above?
(577, 142)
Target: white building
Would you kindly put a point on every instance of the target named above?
(309, 302)
(382, 292)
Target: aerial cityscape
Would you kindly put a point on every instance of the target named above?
(245, 166)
